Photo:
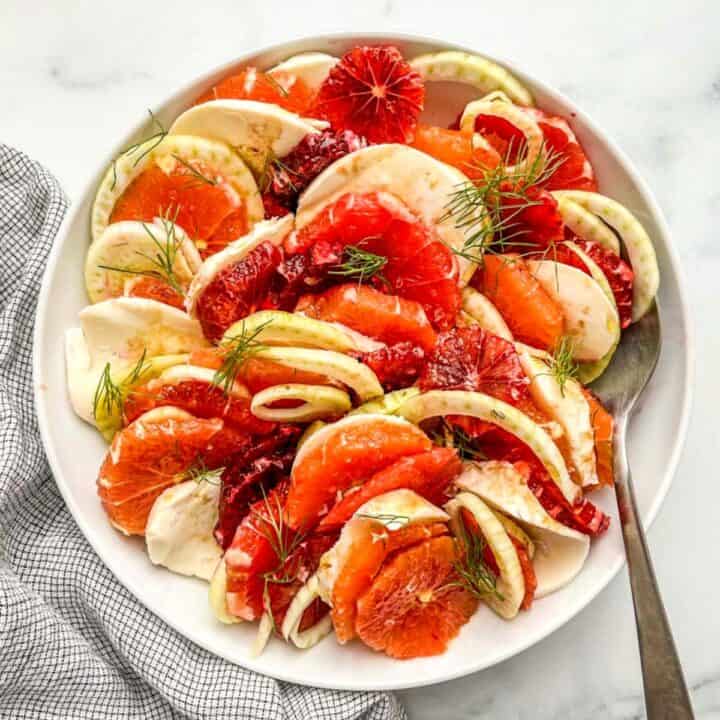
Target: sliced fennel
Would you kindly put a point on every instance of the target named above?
(481, 73)
(275, 327)
(484, 313)
(510, 585)
(439, 403)
(639, 247)
(346, 370)
(317, 401)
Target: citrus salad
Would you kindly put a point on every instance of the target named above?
(340, 354)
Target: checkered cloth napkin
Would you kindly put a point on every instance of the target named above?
(73, 642)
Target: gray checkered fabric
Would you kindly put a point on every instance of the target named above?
(73, 642)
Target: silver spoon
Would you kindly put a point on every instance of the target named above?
(666, 694)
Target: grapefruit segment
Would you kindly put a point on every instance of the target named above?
(146, 458)
(344, 454)
(414, 606)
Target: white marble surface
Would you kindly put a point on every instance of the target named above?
(74, 74)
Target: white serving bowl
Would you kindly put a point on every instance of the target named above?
(75, 450)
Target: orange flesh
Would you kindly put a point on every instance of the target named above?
(415, 606)
(531, 314)
(201, 208)
(154, 289)
(602, 422)
(387, 318)
(345, 458)
(455, 148)
(369, 549)
(283, 89)
(145, 459)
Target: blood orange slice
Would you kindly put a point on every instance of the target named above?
(280, 88)
(374, 92)
(574, 170)
(387, 318)
(532, 315)
(415, 264)
(149, 456)
(473, 359)
(344, 454)
(415, 606)
(428, 474)
(192, 389)
(237, 290)
(455, 148)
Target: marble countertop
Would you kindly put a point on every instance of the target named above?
(73, 76)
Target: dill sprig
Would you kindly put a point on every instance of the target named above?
(239, 348)
(453, 436)
(472, 570)
(163, 261)
(563, 366)
(110, 395)
(487, 208)
(200, 472)
(195, 172)
(282, 539)
(360, 264)
(152, 142)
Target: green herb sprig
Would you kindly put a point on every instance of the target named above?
(109, 395)
(152, 142)
(238, 349)
(361, 264)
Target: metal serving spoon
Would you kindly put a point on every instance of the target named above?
(666, 694)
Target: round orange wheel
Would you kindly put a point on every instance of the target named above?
(146, 458)
(415, 606)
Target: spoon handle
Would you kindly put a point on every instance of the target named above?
(666, 694)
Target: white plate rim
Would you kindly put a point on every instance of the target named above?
(663, 487)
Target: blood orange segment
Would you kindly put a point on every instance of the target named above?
(255, 552)
(373, 92)
(507, 139)
(532, 315)
(575, 171)
(146, 458)
(283, 89)
(154, 289)
(198, 397)
(537, 220)
(473, 359)
(528, 571)
(415, 606)
(314, 153)
(619, 274)
(396, 366)
(428, 474)
(602, 422)
(387, 318)
(342, 455)
(200, 206)
(455, 148)
(254, 469)
(419, 267)
(237, 290)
